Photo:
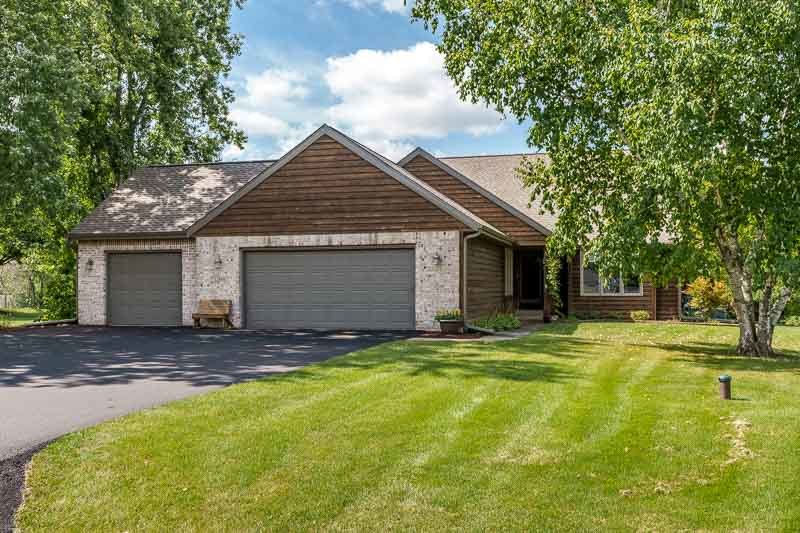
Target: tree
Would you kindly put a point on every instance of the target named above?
(91, 90)
(709, 295)
(661, 119)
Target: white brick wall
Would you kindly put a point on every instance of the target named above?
(211, 268)
(92, 274)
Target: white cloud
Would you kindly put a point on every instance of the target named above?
(253, 150)
(392, 6)
(294, 136)
(270, 101)
(271, 107)
(255, 122)
(274, 87)
(402, 94)
(394, 150)
(388, 100)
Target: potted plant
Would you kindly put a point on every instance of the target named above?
(451, 321)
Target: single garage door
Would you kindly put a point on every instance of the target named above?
(342, 289)
(144, 289)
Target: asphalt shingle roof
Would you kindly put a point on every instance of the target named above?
(496, 174)
(167, 200)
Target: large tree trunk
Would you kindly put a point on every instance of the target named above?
(750, 341)
(755, 329)
(772, 312)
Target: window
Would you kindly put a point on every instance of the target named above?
(592, 285)
(509, 272)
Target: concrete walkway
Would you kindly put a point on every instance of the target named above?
(526, 329)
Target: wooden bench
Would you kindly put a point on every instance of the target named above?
(213, 310)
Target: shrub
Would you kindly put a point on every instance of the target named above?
(499, 322)
(640, 315)
(448, 314)
(5, 320)
(793, 320)
(792, 307)
(708, 295)
(587, 315)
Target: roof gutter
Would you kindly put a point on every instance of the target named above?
(495, 235)
(126, 236)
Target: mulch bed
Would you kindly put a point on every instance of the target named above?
(12, 485)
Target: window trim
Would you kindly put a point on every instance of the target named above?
(601, 294)
(508, 273)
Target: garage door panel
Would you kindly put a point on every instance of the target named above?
(144, 289)
(351, 289)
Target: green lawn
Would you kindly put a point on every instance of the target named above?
(577, 427)
(19, 316)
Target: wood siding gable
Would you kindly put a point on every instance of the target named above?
(328, 188)
(522, 232)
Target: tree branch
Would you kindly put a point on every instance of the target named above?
(779, 305)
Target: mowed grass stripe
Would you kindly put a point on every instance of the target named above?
(582, 426)
(248, 428)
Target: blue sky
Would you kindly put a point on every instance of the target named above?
(361, 66)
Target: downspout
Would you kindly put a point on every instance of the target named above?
(464, 270)
(76, 278)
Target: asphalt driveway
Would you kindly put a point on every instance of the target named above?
(59, 379)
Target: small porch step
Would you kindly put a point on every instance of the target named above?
(530, 315)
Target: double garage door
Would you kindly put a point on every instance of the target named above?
(341, 289)
(330, 289)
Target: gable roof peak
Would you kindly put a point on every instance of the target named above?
(381, 162)
(445, 167)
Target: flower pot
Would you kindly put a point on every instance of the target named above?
(451, 327)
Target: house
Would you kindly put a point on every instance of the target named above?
(331, 235)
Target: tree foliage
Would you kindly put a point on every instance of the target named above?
(709, 295)
(664, 121)
(91, 90)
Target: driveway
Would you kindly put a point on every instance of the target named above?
(59, 379)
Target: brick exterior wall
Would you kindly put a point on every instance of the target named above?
(436, 285)
(211, 268)
(92, 274)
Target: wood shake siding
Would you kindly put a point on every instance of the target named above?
(485, 283)
(607, 306)
(492, 213)
(329, 189)
(668, 302)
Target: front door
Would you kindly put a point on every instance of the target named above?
(531, 279)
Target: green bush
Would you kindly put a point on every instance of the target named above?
(588, 315)
(54, 267)
(499, 322)
(640, 315)
(793, 320)
(448, 314)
